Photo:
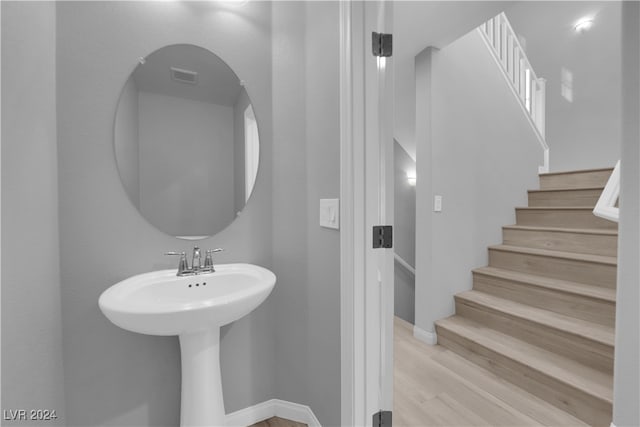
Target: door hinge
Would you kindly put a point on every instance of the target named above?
(382, 419)
(382, 44)
(382, 236)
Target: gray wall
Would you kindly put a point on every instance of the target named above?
(114, 377)
(32, 374)
(477, 150)
(323, 181)
(584, 133)
(404, 236)
(626, 393)
(288, 348)
(306, 168)
(186, 164)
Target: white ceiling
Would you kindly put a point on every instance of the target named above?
(217, 83)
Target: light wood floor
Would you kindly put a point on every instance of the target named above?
(435, 387)
(278, 422)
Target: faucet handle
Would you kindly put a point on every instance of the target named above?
(183, 265)
(208, 260)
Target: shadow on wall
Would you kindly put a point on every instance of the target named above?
(404, 233)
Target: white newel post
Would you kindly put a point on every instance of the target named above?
(540, 104)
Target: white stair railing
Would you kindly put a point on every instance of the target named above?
(606, 206)
(404, 263)
(503, 43)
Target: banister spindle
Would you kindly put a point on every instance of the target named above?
(510, 61)
(503, 43)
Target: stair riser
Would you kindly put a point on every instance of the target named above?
(576, 402)
(581, 349)
(564, 198)
(595, 244)
(590, 273)
(575, 180)
(570, 218)
(578, 306)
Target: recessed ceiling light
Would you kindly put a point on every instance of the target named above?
(583, 24)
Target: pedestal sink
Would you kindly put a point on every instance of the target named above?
(194, 308)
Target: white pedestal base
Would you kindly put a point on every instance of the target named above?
(201, 401)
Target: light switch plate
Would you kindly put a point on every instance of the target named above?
(330, 213)
(437, 203)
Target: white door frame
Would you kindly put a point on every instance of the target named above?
(366, 194)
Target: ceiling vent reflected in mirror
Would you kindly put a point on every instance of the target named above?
(184, 76)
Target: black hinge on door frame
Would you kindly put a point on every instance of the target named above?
(382, 419)
(381, 44)
(382, 236)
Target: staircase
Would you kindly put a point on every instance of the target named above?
(542, 314)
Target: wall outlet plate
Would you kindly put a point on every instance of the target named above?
(330, 213)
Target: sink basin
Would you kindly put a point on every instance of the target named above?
(161, 303)
(194, 308)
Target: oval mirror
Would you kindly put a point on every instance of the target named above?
(186, 141)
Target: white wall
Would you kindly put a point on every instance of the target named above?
(126, 143)
(477, 150)
(186, 164)
(114, 377)
(404, 236)
(32, 372)
(626, 393)
(584, 133)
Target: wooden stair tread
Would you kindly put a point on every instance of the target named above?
(597, 259)
(589, 330)
(575, 179)
(581, 377)
(599, 231)
(548, 190)
(562, 216)
(555, 208)
(578, 171)
(596, 292)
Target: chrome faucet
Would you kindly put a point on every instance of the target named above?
(196, 266)
(195, 259)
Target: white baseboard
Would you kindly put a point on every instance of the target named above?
(272, 408)
(425, 336)
(612, 424)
